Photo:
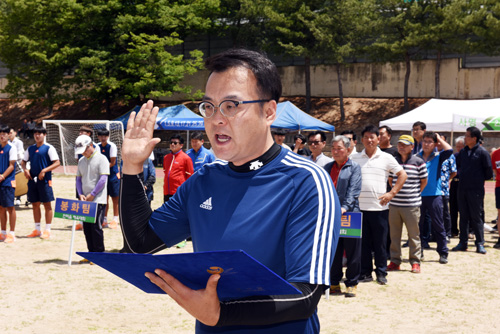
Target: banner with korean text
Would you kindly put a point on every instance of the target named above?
(351, 225)
(75, 210)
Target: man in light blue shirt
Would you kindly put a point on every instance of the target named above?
(199, 154)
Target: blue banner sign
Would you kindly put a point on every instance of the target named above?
(75, 210)
(351, 225)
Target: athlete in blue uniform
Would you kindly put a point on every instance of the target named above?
(198, 153)
(8, 157)
(277, 206)
(110, 151)
(43, 160)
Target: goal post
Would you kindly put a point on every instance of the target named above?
(62, 135)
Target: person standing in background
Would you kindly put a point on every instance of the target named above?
(8, 157)
(110, 151)
(198, 153)
(43, 160)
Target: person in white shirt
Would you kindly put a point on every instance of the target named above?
(279, 138)
(20, 153)
(352, 136)
(317, 142)
(374, 202)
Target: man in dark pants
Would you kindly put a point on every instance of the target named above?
(432, 202)
(448, 172)
(346, 177)
(474, 165)
(91, 184)
(374, 202)
(459, 145)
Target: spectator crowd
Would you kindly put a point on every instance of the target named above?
(419, 183)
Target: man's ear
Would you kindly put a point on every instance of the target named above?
(270, 111)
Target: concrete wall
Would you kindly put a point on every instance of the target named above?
(378, 80)
(387, 80)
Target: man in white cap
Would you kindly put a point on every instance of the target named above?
(91, 185)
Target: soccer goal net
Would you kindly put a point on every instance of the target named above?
(62, 135)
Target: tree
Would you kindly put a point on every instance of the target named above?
(339, 31)
(128, 47)
(398, 35)
(482, 24)
(98, 49)
(34, 47)
(281, 28)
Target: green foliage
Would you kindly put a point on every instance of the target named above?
(34, 46)
(99, 49)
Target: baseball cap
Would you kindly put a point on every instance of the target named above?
(81, 144)
(406, 139)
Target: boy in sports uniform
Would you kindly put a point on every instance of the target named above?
(8, 157)
(110, 151)
(43, 160)
(14, 141)
(258, 194)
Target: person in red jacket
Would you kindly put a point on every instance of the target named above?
(177, 166)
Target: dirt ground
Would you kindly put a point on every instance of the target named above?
(40, 293)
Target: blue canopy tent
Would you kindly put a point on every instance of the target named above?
(291, 117)
(178, 118)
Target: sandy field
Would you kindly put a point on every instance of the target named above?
(40, 293)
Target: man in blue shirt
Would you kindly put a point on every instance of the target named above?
(198, 153)
(8, 157)
(43, 160)
(257, 194)
(110, 151)
(432, 201)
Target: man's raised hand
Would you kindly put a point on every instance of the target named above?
(139, 142)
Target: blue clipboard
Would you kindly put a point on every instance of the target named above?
(241, 275)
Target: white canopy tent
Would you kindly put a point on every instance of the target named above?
(450, 116)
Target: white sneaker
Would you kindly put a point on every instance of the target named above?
(17, 202)
(488, 228)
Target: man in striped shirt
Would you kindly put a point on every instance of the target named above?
(405, 206)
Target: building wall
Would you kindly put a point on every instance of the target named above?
(377, 80)
(387, 80)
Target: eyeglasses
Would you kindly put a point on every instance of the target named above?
(316, 142)
(175, 143)
(228, 108)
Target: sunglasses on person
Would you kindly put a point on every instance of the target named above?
(315, 142)
(175, 142)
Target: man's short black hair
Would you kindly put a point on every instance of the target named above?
(371, 129)
(321, 133)
(388, 129)
(349, 132)
(475, 133)
(40, 129)
(103, 132)
(264, 70)
(198, 135)
(420, 124)
(4, 128)
(177, 136)
(280, 132)
(431, 134)
(299, 136)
